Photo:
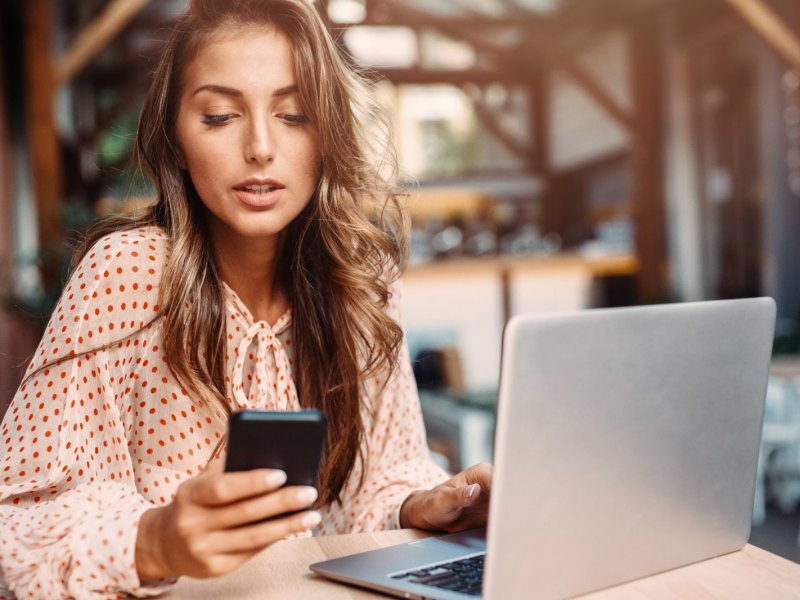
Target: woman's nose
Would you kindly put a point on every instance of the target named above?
(260, 146)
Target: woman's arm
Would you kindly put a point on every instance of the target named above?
(68, 499)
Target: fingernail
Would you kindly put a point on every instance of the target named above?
(311, 519)
(470, 490)
(308, 494)
(276, 478)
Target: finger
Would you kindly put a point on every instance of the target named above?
(252, 538)
(290, 499)
(480, 474)
(226, 488)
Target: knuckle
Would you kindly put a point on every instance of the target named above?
(257, 536)
(184, 524)
(183, 494)
(197, 548)
(216, 489)
(247, 510)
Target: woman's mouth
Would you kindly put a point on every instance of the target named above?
(259, 189)
(259, 195)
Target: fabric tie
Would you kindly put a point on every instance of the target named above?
(273, 386)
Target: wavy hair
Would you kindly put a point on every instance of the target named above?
(341, 253)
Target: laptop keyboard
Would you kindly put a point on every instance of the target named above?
(464, 575)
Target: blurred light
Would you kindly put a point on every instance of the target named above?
(440, 52)
(496, 95)
(540, 6)
(791, 81)
(347, 11)
(382, 46)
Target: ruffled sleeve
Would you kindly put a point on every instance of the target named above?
(112, 294)
(69, 505)
(398, 459)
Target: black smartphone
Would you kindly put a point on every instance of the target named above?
(290, 441)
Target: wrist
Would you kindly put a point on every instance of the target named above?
(149, 547)
(409, 511)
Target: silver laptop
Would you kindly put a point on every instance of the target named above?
(626, 445)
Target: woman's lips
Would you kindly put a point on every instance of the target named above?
(259, 196)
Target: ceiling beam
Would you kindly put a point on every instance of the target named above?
(558, 56)
(96, 36)
(771, 27)
(490, 119)
(418, 76)
(541, 45)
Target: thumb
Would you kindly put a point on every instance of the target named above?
(464, 496)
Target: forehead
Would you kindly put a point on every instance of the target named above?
(251, 59)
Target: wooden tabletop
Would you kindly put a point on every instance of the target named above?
(281, 571)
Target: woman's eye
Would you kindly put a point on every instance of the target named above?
(216, 119)
(294, 119)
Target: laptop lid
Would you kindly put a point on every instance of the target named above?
(626, 443)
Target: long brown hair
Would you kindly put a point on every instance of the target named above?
(341, 254)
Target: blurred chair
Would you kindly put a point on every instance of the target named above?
(460, 308)
(778, 474)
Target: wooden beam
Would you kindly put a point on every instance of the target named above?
(489, 119)
(45, 156)
(544, 42)
(7, 212)
(541, 44)
(95, 36)
(480, 77)
(769, 25)
(539, 99)
(539, 102)
(648, 197)
(400, 13)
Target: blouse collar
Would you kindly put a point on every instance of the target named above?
(241, 312)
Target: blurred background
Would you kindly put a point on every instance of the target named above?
(559, 155)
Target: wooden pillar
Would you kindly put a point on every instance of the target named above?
(649, 215)
(539, 94)
(43, 141)
(6, 208)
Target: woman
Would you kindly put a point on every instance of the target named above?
(262, 277)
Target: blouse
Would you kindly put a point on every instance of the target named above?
(100, 430)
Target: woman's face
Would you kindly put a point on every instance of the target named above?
(250, 151)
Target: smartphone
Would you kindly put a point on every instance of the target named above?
(290, 441)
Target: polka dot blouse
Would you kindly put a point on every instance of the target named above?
(100, 430)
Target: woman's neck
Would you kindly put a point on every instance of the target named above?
(251, 268)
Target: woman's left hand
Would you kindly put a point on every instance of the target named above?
(460, 503)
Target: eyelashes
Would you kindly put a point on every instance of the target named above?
(294, 119)
(289, 119)
(215, 119)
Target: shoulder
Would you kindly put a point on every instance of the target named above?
(112, 294)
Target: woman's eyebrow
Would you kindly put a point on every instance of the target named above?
(218, 89)
(229, 91)
(285, 91)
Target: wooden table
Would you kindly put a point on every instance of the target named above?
(281, 572)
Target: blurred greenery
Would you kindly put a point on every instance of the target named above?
(54, 260)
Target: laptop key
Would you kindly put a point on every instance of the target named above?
(464, 576)
(436, 579)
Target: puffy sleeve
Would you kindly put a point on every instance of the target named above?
(398, 459)
(69, 505)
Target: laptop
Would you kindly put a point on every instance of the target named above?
(626, 445)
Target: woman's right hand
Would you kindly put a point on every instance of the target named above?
(211, 527)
